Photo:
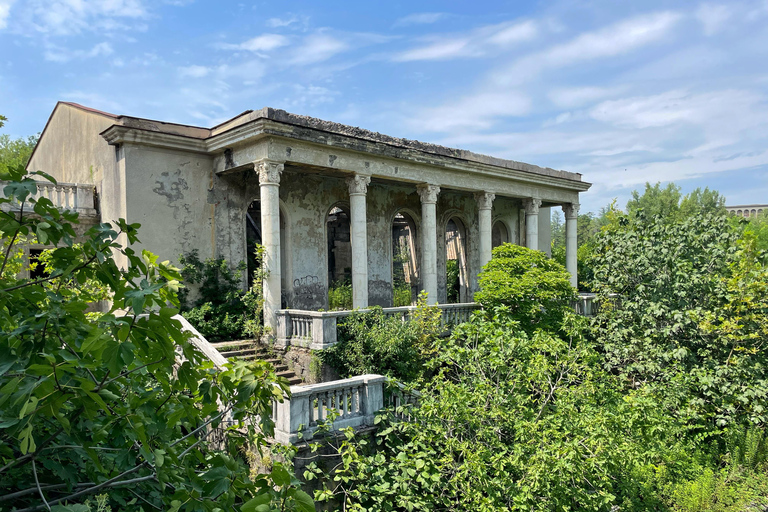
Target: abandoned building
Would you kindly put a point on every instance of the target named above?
(330, 203)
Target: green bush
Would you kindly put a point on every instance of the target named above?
(340, 296)
(222, 311)
(452, 281)
(402, 295)
(121, 403)
(519, 422)
(691, 318)
(535, 289)
(372, 342)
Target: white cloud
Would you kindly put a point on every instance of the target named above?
(318, 48)
(420, 18)
(718, 108)
(64, 17)
(614, 40)
(194, 71)
(59, 54)
(713, 17)
(515, 33)
(446, 49)
(571, 97)
(262, 43)
(288, 20)
(5, 11)
(471, 112)
(486, 39)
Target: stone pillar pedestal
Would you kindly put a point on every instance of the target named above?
(428, 194)
(358, 187)
(571, 212)
(269, 186)
(485, 220)
(532, 222)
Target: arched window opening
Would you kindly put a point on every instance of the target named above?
(405, 283)
(339, 259)
(499, 234)
(456, 275)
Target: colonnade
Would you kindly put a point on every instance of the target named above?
(269, 184)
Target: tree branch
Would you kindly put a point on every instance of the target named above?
(37, 483)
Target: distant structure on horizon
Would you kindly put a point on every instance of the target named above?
(747, 210)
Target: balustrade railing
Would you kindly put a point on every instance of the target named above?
(345, 403)
(69, 196)
(317, 330)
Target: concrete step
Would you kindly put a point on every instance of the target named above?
(245, 352)
(232, 345)
(249, 350)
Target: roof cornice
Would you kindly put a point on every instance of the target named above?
(117, 134)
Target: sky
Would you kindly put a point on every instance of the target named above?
(622, 92)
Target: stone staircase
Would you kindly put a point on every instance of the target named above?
(249, 350)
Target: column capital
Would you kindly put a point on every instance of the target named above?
(269, 171)
(485, 200)
(571, 210)
(358, 184)
(532, 205)
(428, 193)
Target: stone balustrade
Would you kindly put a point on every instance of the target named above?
(586, 304)
(317, 330)
(349, 402)
(68, 196)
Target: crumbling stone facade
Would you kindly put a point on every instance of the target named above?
(196, 188)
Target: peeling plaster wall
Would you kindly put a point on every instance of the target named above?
(167, 192)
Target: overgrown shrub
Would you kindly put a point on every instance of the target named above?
(515, 422)
(402, 294)
(691, 318)
(222, 311)
(372, 342)
(535, 289)
(340, 296)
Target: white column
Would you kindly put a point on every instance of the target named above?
(269, 185)
(358, 187)
(428, 194)
(485, 220)
(571, 211)
(532, 222)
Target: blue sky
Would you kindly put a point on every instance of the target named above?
(622, 92)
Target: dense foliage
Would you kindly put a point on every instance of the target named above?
(646, 407)
(691, 316)
(222, 311)
(530, 285)
(15, 152)
(373, 342)
(117, 403)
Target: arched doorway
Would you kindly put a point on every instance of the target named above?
(456, 272)
(339, 258)
(405, 282)
(499, 234)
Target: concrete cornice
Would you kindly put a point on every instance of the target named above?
(117, 134)
(260, 128)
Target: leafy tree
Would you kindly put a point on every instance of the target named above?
(512, 421)
(15, 152)
(121, 403)
(668, 203)
(656, 201)
(689, 318)
(222, 311)
(535, 289)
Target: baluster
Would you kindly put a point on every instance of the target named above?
(321, 412)
(57, 202)
(75, 193)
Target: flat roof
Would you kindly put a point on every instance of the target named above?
(313, 123)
